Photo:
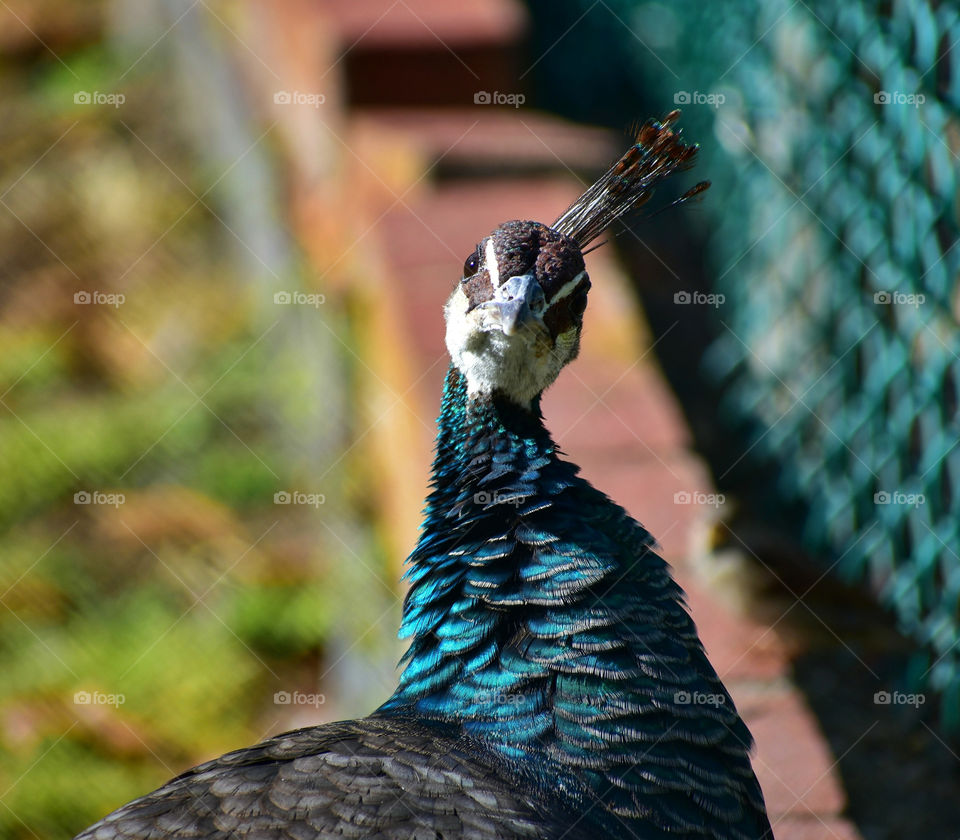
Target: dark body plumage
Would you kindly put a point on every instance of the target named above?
(554, 686)
(374, 778)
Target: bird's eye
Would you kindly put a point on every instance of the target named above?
(471, 264)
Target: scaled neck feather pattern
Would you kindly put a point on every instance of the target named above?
(543, 622)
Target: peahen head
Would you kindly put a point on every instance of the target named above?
(514, 320)
(515, 317)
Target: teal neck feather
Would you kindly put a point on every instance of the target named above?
(541, 620)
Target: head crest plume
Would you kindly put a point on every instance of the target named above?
(657, 152)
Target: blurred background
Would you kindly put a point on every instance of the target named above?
(228, 227)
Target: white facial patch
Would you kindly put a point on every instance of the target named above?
(567, 287)
(518, 366)
(490, 264)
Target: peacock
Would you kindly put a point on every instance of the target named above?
(554, 685)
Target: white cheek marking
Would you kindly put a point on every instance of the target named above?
(568, 287)
(490, 264)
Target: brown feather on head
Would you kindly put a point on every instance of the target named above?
(657, 152)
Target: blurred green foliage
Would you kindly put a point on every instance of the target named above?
(140, 638)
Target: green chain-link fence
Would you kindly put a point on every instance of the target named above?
(831, 133)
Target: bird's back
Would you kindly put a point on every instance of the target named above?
(379, 777)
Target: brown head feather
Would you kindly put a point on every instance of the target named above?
(657, 152)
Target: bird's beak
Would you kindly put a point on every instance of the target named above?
(515, 303)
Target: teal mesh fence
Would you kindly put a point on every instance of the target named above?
(831, 134)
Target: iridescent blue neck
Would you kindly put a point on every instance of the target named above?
(490, 564)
